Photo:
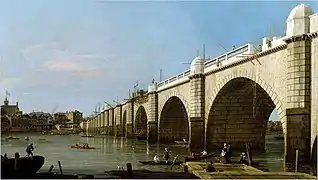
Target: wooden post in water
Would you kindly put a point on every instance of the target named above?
(296, 161)
(129, 170)
(51, 168)
(249, 153)
(60, 166)
(16, 159)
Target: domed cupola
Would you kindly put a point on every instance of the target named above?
(197, 66)
(298, 21)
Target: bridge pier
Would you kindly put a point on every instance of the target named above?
(152, 130)
(314, 89)
(129, 119)
(196, 134)
(197, 104)
(152, 124)
(110, 130)
(297, 135)
(117, 130)
(129, 130)
(299, 79)
(111, 122)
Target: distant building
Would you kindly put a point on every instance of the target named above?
(5, 123)
(60, 118)
(75, 117)
(274, 126)
(10, 109)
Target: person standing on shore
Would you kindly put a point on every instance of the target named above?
(167, 154)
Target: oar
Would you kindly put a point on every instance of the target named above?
(174, 161)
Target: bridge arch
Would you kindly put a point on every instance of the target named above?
(167, 97)
(174, 121)
(239, 111)
(141, 120)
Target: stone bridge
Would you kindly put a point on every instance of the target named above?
(231, 97)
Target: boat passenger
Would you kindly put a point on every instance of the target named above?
(156, 159)
(167, 154)
(29, 150)
(184, 140)
(76, 145)
(5, 157)
(243, 158)
(223, 155)
(192, 154)
(204, 153)
(224, 145)
(228, 153)
(85, 145)
(210, 167)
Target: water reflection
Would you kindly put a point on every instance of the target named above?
(112, 151)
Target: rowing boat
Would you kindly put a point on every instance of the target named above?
(25, 167)
(141, 137)
(198, 157)
(81, 147)
(87, 136)
(160, 162)
(182, 142)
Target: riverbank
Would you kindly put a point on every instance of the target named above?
(239, 171)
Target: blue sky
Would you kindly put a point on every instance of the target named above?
(72, 54)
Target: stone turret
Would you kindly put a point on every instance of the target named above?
(152, 87)
(197, 66)
(298, 21)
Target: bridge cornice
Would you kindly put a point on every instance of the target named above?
(196, 76)
(175, 85)
(301, 37)
(250, 58)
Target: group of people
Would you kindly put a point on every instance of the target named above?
(166, 154)
(85, 145)
(226, 153)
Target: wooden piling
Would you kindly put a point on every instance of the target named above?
(60, 166)
(296, 161)
(16, 159)
(249, 154)
(129, 168)
(51, 168)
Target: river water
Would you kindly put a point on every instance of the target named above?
(112, 151)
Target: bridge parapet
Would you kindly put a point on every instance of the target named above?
(210, 65)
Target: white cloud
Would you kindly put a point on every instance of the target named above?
(54, 57)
